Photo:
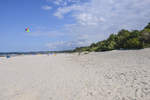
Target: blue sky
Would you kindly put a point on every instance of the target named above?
(66, 24)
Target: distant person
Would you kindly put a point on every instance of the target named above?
(7, 56)
(79, 52)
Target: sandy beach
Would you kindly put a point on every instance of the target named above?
(113, 75)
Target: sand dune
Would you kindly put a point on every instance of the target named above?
(113, 75)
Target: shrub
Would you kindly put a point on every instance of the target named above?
(133, 43)
(145, 35)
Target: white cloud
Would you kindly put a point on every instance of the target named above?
(108, 16)
(64, 2)
(46, 7)
(65, 45)
(55, 45)
(56, 2)
(88, 19)
(61, 11)
(111, 11)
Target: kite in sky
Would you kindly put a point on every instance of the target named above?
(27, 29)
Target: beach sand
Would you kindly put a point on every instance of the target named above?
(112, 75)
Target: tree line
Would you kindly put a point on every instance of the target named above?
(124, 39)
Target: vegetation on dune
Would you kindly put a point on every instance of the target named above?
(123, 40)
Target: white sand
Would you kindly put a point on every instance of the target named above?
(114, 75)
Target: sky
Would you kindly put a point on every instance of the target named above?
(66, 24)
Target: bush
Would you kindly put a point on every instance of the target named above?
(145, 35)
(112, 45)
(133, 43)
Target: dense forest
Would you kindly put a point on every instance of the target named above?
(123, 40)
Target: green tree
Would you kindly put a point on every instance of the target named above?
(112, 45)
(133, 43)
